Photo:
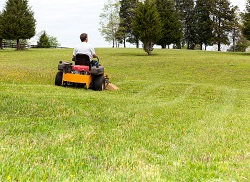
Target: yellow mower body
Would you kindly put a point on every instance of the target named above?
(77, 78)
(93, 78)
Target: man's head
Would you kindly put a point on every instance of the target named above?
(84, 37)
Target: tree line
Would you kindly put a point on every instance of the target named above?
(17, 23)
(194, 24)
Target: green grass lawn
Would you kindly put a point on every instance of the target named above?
(178, 116)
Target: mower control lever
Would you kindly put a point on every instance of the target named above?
(97, 61)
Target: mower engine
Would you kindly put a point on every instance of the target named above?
(80, 69)
(65, 67)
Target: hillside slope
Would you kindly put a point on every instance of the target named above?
(178, 116)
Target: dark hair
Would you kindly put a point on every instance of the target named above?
(83, 37)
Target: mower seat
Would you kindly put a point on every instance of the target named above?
(80, 68)
(82, 59)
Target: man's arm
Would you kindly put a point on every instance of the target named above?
(92, 50)
(74, 54)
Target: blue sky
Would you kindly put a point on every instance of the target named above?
(67, 19)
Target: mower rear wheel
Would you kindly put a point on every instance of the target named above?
(98, 83)
(58, 79)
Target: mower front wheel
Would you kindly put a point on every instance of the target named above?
(98, 83)
(58, 79)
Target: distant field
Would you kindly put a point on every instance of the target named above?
(178, 116)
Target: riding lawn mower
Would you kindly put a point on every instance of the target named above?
(86, 73)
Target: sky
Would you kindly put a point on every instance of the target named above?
(67, 19)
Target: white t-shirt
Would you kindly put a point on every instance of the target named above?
(84, 48)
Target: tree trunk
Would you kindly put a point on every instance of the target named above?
(149, 52)
(168, 46)
(18, 48)
(137, 43)
(124, 42)
(178, 45)
(219, 44)
(113, 43)
(201, 46)
(147, 46)
(1, 43)
(163, 46)
(219, 40)
(234, 40)
(205, 47)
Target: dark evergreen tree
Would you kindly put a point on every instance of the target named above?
(186, 10)
(171, 26)
(246, 21)
(203, 23)
(1, 32)
(236, 27)
(18, 20)
(126, 14)
(147, 25)
(121, 35)
(222, 14)
(43, 41)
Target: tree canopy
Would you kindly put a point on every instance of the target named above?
(194, 23)
(222, 22)
(171, 32)
(46, 41)
(246, 21)
(43, 41)
(186, 10)
(18, 21)
(147, 25)
(203, 23)
(1, 32)
(110, 21)
(126, 15)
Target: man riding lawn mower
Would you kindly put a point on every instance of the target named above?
(85, 72)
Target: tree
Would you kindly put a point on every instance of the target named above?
(186, 10)
(241, 45)
(222, 15)
(203, 23)
(147, 25)
(246, 21)
(1, 32)
(43, 41)
(121, 36)
(18, 21)
(171, 27)
(53, 41)
(236, 27)
(110, 21)
(126, 15)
